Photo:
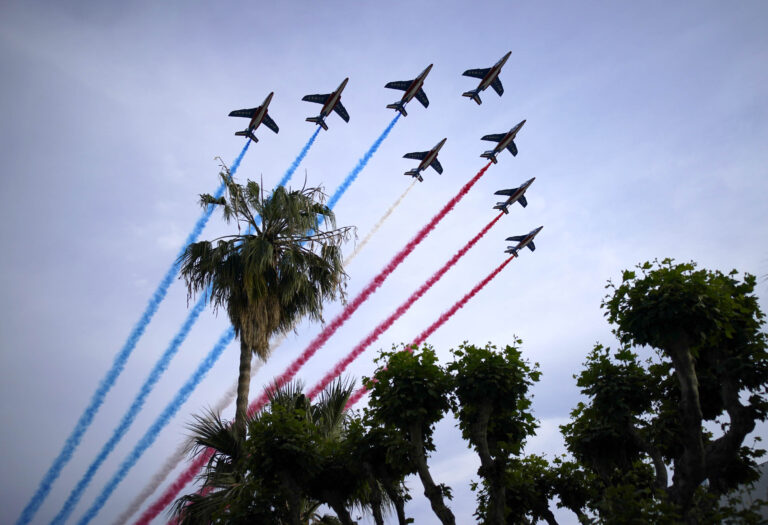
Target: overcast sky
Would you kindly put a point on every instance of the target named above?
(646, 132)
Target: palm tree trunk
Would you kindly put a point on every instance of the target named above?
(243, 387)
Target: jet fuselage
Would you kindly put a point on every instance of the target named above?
(258, 116)
(515, 196)
(509, 137)
(333, 99)
(431, 156)
(416, 85)
(493, 73)
(524, 242)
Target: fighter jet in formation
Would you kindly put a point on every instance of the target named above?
(330, 102)
(488, 77)
(427, 158)
(258, 116)
(523, 241)
(412, 88)
(505, 140)
(513, 195)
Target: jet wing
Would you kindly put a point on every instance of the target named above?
(341, 110)
(508, 193)
(497, 87)
(532, 246)
(319, 99)
(476, 73)
(437, 167)
(422, 97)
(495, 138)
(512, 148)
(247, 113)
(523, 201)
(516, 238)
(418, 155)
(402, 85)
(270, 123)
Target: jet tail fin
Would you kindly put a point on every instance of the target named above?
(415, 174)
(502, 206)
(399, 106)
(318, 120)
(247, 133)
(489, 155)
(474, 95)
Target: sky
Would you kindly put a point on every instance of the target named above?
(646, 131)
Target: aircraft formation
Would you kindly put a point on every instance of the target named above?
(331, 102)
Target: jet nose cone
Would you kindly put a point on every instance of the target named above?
(429, 68)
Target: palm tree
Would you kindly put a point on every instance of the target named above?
(282, 268)
(233, 488)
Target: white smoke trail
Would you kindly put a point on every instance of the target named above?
(181, 451)
(376, 227)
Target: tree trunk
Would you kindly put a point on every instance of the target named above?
(431, 491)
(243, 387)
(342, 513)
(689, 471)
(492, 471)
(376, 503)
(397, 501)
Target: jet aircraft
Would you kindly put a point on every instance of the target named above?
(523, 241)
(427, 158)
(488, 77)
(505, 140)
(258, 116)
(514, 195)
(412, 88)
(330, 102)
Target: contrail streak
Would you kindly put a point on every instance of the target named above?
(189, 474)
(384, 325)
(354, 398)
(118, 364)
(376, 227)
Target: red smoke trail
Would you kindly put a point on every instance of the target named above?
(354, 398)
(384, 325)
(189, 474)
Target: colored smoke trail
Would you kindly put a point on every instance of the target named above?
(189, 474)
(174, 460)
(74, 439)
(162, 363)
(149, 437)
(460, 304)
(295, 164)
(376, 227)
(181, 451)
(362, 163)
(384, 325)
(138, 403)
(354, 398)
(371, 287)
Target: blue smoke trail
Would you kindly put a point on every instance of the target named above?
(72, 442)
(149, 437)
(158, 370)
(361, 164)
(136, 406)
